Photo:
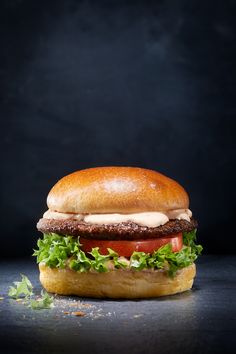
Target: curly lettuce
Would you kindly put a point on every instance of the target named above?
(58, 251)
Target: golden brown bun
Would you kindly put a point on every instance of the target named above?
(128, 284)
(116, 190)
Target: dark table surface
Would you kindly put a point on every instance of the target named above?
(199, 321)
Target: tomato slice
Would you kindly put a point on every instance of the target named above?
(126, 248)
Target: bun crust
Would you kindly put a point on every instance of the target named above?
(116, 190)
(127, 284)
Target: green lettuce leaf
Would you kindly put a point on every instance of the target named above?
(139, 260)
(23, 288)
(54, 249)
(61, 251)
(44, 302)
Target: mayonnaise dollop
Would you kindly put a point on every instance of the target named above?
(148, 219)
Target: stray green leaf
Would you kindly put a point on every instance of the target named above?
(45, 302)
(22, 288)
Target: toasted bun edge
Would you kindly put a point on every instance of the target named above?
(126, 284)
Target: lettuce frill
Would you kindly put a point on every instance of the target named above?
(58, 251)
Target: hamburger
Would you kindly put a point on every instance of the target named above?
(117, 232)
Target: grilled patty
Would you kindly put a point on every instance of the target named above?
(121, 231)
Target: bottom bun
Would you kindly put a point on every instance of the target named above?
(128, 284)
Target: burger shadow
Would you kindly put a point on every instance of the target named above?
(176, 297)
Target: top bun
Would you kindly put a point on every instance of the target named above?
(116, 190)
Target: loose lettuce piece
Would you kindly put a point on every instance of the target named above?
(60, 251)
(45, 302)
(22, 288)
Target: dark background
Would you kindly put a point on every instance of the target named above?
(150, 84)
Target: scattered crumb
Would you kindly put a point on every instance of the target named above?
(78, 313)
(86, 305)
(66, 312)
(94, 315)
(1, 298)
(73, 304)
(137, 316)
(19, 300)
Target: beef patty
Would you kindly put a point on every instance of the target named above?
(121, 231)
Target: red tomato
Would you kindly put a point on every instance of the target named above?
(126, 248)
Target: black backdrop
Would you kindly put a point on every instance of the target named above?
(138, 83)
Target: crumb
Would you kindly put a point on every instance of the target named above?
(73, 304)
(19, 300)
(86, 305)
(78, 313)
(66, 312)
(137, 316)
(1, 298)
(96, 315)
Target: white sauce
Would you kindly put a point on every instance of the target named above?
(149, 219)
(152, 219)
(50, 214)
